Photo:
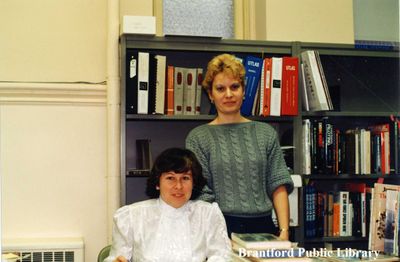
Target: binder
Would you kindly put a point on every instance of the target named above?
(131, 82)
(290, 82)
(276, 87)
(143, 83)
(253, 67)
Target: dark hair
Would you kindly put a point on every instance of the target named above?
(178, 160)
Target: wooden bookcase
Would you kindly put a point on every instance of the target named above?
(356, 104)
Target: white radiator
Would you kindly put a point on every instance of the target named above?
(46, 249)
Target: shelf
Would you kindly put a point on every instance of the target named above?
(201, 118)
(349, 114)
(351, 177)
(335, 239)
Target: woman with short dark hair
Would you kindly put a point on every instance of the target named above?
(171, 226)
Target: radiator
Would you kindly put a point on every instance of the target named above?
(46, 249)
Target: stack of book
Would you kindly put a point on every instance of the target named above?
(265, 247)
(385, 219)
(154, 86)
(370, 149)
(337, 212)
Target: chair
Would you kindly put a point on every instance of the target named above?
(103, 253)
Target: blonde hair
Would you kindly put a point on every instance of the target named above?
(223, 63)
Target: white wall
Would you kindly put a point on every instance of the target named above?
(306, 20)
(53, 134)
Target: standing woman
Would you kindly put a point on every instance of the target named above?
(241, 159)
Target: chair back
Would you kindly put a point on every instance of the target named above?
(103, 254)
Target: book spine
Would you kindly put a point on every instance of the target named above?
(253, 74)
(178, 90)
(143, 83)
(267, 87)
(290, 79)
(276, 86)
(160, 84)
(199, 80)
(170, 91)
(131, 83)
(189, 91)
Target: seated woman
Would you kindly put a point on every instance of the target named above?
(171, 226)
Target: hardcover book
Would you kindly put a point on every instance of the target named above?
(170, 91)
(189, 91)
(131, 82)
(252, 66)
(276, 86)
(290, 83)
(315, 90)
(143, 83)
(178, 90)
(265, 98)
(260, 241)
(199, 90)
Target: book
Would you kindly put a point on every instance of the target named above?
(394, 136)
(252, 66)
(304, 97)
(143, 83)
(178, 90)
(189, 91)
(316, 95)
(161, 65)
(266, 86)
(260, 241)
(131, 82)
(199, 89)
(323, 79)
(310, 211)
(276, 86)
(344, 213)
(306, 145)
(382, 130)
(290, 83)
(391, 222)
(170, 91)
(378, 215)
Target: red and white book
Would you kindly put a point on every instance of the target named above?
(266, 98)
(276, 86)
(290, 86)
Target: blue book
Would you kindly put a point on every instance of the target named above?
(253, 66)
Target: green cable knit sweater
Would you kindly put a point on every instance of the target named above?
(243, 164)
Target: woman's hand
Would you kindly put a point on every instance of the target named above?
(120, 259)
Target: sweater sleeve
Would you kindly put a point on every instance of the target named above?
(193, 143)
(277, 171)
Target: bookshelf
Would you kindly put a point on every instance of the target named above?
(364, 86)
(357, 106)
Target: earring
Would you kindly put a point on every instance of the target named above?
(157, 187)
(212, 101)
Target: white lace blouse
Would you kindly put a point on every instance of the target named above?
(154, 231)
